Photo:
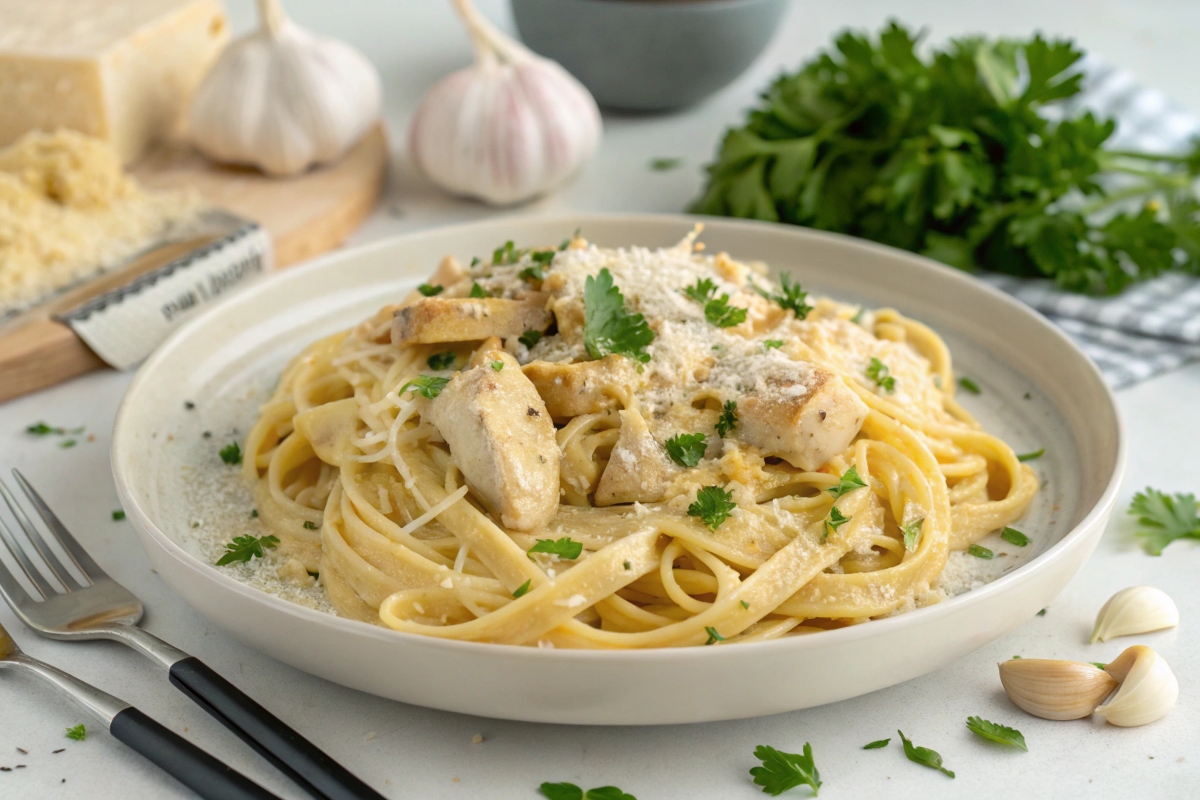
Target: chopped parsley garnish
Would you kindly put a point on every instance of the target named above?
(77, 732)
(608, 327)
(309, 525)
(980, 552)
(628, 565)
(878, 372)
(728, 418)
(686, 449)
(189, 405)
(772, 344)
(243, 548)
(253, 513)
(996, 732)
(877, 744)
(506, 254)
(847, 483)
(723, 315)
(441, 361)
(701, 290)
(565, 548)
(713, 636)
(529, 338)
(430, 289)
(231, 453)
(497, 365)
(1164, 518)
(66, 443)
(970, 385)
(534, 273)
(664, 164)
(569, 791)
(1034, 456)
(836, 520)
(118, 515)
(857, 320)
(522, 589)
(42, 429)
(782, 771)
(1014, 536)
(1098, 664)
(923, 756)
(1042, 613)
(478, 291)
(912, 531)
(713, 506)
(791, 298)
(745, 605)
(428, 386)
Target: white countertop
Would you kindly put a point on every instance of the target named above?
(413, 752)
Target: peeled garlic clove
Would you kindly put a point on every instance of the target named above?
(282, 99)
(509, 128)
(1053, 689)
(1148, 688)
(1138, 609)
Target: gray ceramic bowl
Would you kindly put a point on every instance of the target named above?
(649, 55)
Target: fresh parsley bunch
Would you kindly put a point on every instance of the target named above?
(956, 156)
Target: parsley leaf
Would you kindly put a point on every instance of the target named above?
(791, 297)
(497, 365)
(522, 589)
(772, 344)
(878, 372)
(565, 548)
(912, 531)
(664, 164)
(428, 386)
(42, 429)
(970, 385)
(923, 755)
(77, 732)
(686, 449)
(996, 732)
(980, 551)
(506, 254)
(569, 791)
(728, 418)
(608, 327)
(701, 290)
(1014, 536)
(713, 506)
(478, 291)
(836, 520)
(847, 483)
(782, 771)
(877, 744)
(1034, 456)
(534, 273)
(713, 636)
(1164, 518)
(430, 289)
(1098, 664)
(720, 313)
(440, 361)
(310, 525)
(243, 548)
(118, 515)
(231, 453)
(530, 337)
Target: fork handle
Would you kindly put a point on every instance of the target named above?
(188, 764)
(300, 759)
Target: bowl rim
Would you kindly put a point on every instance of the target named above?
(149, 532)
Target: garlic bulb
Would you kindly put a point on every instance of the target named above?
(282, 99)
(509, 128)
(1148, 688)
(1138, 609)
(1053, 689)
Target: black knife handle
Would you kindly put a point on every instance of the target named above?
(298, 758)
(188, 764)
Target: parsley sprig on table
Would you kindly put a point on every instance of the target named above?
(782, 771)
(952, 152)
(608, 327)
(243, 548)
(713, 506)
(77, 732)
(569, 791)
(996, 732)
(686, 449)
(923, 755)
(1164, 518)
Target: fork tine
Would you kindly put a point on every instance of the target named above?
(39, 544)
(8, 582)
(90, 569)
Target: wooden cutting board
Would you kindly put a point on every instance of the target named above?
(305, 216)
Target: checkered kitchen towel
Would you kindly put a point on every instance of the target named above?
(1153, 326)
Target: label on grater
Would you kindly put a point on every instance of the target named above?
(125, 325)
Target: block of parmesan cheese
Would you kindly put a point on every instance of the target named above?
(119, 70)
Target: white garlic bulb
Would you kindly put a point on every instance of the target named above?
(282, 99)
(1148, 688)
(1138, 609)
(509, 128)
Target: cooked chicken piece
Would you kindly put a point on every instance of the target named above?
(378, 327)
(638, 469)
(328, 428)
(466, 319)
(805, 417)
(501, 438)
(583, 388)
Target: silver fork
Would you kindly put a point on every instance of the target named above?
(104, 609)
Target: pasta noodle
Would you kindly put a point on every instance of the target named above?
(415, 461)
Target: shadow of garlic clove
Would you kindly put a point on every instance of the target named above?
(1055, 689)
(1148, 688)
(1138, 609)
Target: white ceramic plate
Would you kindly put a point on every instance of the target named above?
(1038, 391)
